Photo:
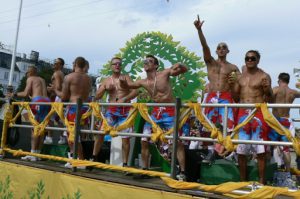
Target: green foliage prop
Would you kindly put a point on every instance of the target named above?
(34, 193)
(187, 86)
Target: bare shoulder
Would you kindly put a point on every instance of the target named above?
(234, 67)
(263, 73)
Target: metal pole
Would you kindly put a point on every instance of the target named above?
(225, 119)
(77, 129)
(175, 138)
(13, 60)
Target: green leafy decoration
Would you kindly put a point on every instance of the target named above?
(35, 193)
(5, 193)
(187, 86)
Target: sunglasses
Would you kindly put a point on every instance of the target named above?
(148, 61)
(249, 59)
(221, 47)
(117, 64)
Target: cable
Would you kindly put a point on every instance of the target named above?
(85, 16)
(57, 10)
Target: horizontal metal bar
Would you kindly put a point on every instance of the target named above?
(239, 141)
(249, 105)
(170, 137)
(185, 105)
(102, 104)
(47, 128)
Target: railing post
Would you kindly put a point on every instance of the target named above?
(77, 129)
(175, 138)
(4, 132)
(225, 121)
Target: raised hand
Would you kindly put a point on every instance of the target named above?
(232, 78)
(265, 83)
(198, 24)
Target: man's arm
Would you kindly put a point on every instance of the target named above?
(100, 91)
(267, 89)
(235, 90)
(129, 85)
(64, 94)
(27, 91)
(177, 69)
(297, 94)
(133, 92)
(206, 51)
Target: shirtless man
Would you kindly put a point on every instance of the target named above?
(254, 86)
(282, 94)
(56, 82)
(218, 72)
(37, 91)
(158, 86)
(76, 85)
(116, 115)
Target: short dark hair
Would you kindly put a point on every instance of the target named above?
(285, 77)
(155, 59)
(80, 62)
(62, 61)
(254, 51)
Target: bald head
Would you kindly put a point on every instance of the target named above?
(222, 45)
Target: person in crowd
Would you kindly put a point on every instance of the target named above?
(116, 115)
(219, 71)
(283, 94)
(56, 82)
(76, 85)
(157, 84)
(35, 89)
(254, 86)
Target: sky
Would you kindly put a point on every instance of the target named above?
(97, 29)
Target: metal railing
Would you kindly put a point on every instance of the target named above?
(175, 136)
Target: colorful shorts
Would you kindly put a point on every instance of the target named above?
(164, 117)
(256, 129)
(40, 111)
(71, 114)
(55, 117)
(116, 116)
(216, 114)
(287, 123)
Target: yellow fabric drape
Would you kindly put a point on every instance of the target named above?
(274, 124)
(215, 132)
(112, 130)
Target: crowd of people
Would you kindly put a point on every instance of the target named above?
(227, 84)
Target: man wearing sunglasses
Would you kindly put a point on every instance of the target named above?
(56, 82)
(254, 86)
(157, 84)
(116, 115)
(220, 74)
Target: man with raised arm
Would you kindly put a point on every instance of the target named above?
(56, 82)
(75, 85)
(116, 115)
(254, 86)
(283, 94)
(158, 86)
(37, 91)
(219, 71)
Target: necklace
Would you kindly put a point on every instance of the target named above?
(154, 86)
